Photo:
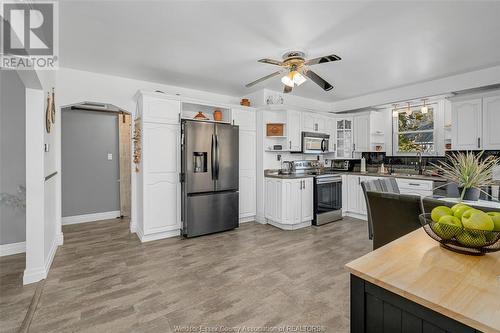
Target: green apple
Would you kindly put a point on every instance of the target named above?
(495, 216)
(468, 213)
(460, 210)
(478, 220)
(447, 227)
(457, 206)
(440, 211)
(472, 239)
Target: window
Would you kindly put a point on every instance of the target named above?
(414, 133)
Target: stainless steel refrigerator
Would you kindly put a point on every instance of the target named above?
(210, 176)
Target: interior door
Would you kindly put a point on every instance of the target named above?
(227, 157)
(199, 141)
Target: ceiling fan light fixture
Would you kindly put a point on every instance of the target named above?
(298, 78)
(287, 80)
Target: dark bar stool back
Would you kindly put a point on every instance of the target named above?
(393, 215)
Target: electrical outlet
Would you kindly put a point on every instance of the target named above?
(110, 157)
(278, 157)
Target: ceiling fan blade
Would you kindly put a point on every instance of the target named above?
(271, 61)
(320, 60)
(287, 89)
(262, 79)
(318, 80)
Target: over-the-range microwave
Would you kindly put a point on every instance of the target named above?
(315, 143)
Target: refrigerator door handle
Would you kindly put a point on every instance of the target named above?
(212, 160)
(217, 154)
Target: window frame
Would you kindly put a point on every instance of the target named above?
(396, 133)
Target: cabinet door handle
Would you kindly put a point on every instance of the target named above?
(290, 144)
(304, 184)
(413, 184)
(478, 142)
(359, 180)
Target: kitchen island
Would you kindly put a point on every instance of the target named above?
(414, 285)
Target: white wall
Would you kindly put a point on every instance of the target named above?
(259, 98)
(474, 79)
(12, 154)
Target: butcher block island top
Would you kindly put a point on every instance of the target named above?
(465, 288)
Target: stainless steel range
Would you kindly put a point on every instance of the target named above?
(327, 191)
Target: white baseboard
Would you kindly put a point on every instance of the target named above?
(356, 216)
(37, 274)
(157, 235)
(133, 227)
(12, 248)
(260, 219)
(34, 275)
(90, 217)
(289, 226)
(247, 219)
(60, 239)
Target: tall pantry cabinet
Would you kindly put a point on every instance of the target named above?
(245, 118)
(158, 186)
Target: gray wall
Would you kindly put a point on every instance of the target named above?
(12, 154)
(89, 179)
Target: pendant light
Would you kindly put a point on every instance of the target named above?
(408, 110)
(424, 109)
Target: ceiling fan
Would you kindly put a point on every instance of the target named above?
(296, 69)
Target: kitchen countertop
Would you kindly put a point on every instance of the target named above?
(405, 176)
(274, 174)
(464, 288)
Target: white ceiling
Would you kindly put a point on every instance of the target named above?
(214, 46)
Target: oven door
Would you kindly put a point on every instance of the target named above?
(328, 199)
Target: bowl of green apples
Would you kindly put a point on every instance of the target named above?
(463, 229)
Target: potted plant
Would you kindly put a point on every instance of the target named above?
(469, 171)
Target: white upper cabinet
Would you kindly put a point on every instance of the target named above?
(344, 137)
(474, 122)
(466, 125)
(361, 133)
(155, 107)
(313, 122)
(294, 135)
(491, 123)
(244, 118)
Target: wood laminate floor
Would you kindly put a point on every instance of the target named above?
(104, 280)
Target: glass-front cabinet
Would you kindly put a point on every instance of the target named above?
(344, 137)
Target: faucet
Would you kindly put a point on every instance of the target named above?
(419, 165)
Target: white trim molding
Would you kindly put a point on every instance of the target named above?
(247, 219)
(12, 248)
(90, 217)
(35, 275)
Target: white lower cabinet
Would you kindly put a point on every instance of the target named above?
(289, 202)
(424, 188)
(354, 202)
